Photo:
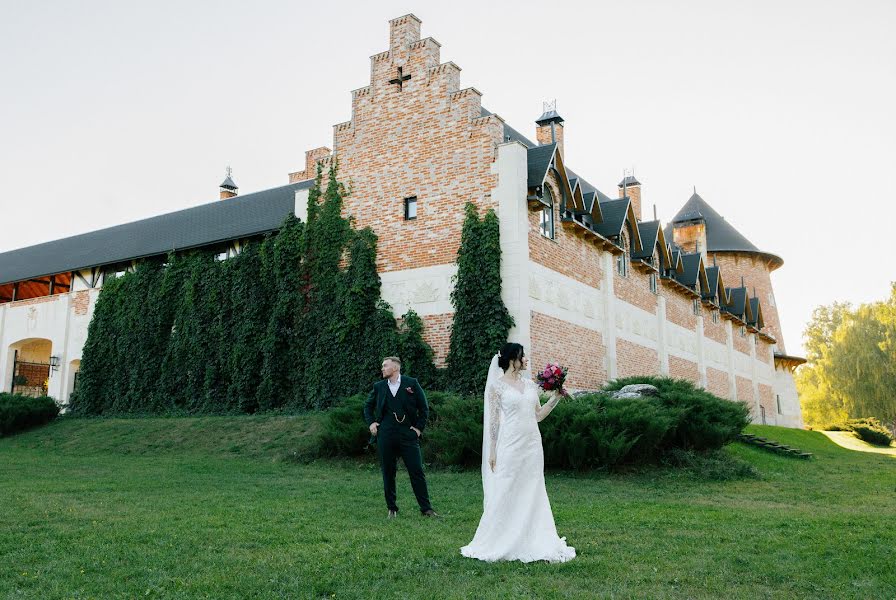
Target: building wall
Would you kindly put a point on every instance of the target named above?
(62, 320)
(756, 275)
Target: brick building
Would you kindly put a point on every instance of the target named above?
(588, 281)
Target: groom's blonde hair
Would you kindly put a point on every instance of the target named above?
(394, 359)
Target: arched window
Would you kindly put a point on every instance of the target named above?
(547, 214)
(622, 259)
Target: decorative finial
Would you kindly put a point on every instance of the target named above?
(229, 171)
(549, 106)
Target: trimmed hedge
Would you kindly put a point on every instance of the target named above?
(592, 431)
(18, 413)
(870, 430)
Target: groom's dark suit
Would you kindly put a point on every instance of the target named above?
(396, 415)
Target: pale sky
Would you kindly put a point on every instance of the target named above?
(780, 113)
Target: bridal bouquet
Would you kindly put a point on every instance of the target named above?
(552, 377)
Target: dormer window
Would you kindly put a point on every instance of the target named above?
(546, 224)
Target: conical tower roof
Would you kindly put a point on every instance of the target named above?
(721, 236)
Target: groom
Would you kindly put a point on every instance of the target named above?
(396, 413)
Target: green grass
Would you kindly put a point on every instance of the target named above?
(216, 507)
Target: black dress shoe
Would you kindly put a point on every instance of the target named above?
(392, 514)
(430, 513)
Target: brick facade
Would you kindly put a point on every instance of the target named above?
(684, 369)
(635, 359)
(717, 382)
(575, 347)
(756, 276)
(568, 254)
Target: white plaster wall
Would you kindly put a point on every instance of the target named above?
(513, 216)
(784, 386)
(52, 319)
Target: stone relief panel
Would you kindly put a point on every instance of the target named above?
(560, 297)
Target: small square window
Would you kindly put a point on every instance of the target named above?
(410, 208)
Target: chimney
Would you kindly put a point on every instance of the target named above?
(631, 187)
(228, 187)
(689, 232)
(550, 127)
(311, 158)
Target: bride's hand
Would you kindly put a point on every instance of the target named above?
(491, 463)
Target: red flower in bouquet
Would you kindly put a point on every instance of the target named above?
(552, 377)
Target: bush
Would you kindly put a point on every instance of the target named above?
(592, 431)
(18, 413)
(870, 430)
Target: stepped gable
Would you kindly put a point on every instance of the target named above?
(721, 236)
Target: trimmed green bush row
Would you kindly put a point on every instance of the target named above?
(870, 430)
(591, 431)
(18, 413)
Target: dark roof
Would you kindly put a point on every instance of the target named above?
(721, 236)
(228, 184)
(738, 302)
(649, 231)
(548, 117)
(538, 161)
(238, 217)
(614, 213)
(754, 306)
(629, 180)
(512, 134)
(691, 264)
(712, 274)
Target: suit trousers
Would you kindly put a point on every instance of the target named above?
(394, 440)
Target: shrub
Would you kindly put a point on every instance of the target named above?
(704, 421)
(18, 413)
(870, 430)
(592, 431)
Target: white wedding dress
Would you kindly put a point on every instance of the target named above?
(516, 523)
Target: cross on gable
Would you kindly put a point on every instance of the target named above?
(400, 79)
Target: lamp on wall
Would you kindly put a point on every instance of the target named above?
(54, 363)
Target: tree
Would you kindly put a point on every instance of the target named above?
(416, 355)
(481, 321)
(851, 371)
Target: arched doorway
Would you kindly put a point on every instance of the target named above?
(74, 367)
(30, 366)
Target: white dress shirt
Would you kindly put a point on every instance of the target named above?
(393, 387)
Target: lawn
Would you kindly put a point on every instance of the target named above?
(220, 507)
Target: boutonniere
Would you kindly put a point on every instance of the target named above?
(409, 390)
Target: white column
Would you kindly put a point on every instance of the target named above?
(732, 380)
(5, 377)
(661, 335)
(701, 352)
(754, 377)
(513, 216)
(610, 315)
(64, 366)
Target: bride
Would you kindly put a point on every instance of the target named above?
(516, 523)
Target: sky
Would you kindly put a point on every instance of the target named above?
(780, 114)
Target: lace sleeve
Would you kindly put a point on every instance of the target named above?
(541, 411)
(494, 415)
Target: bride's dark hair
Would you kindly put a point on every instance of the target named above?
(509, 353)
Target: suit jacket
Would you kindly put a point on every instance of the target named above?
(410, 395)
